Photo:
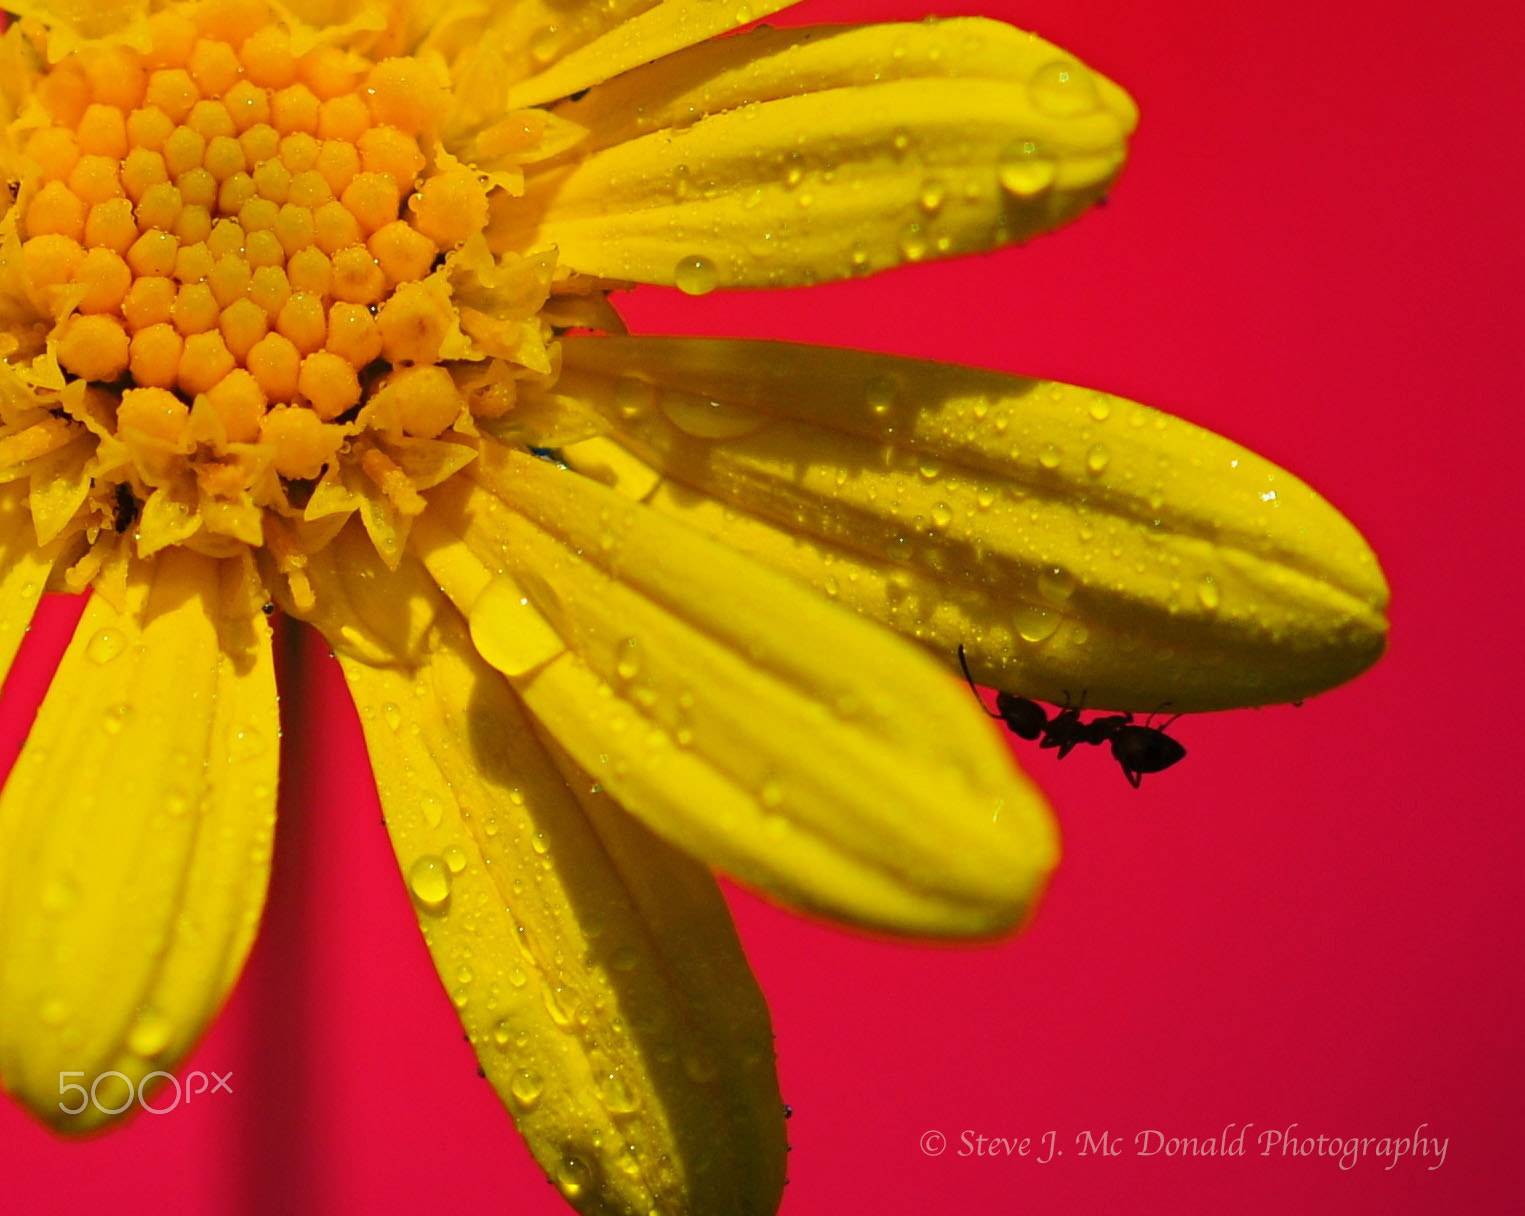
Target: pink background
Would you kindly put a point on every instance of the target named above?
(1313, 920)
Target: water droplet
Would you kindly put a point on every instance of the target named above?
(941, 515)
(616, 1095)
(633, 398)
(930, 470)
(463, 974)
(913, 243)
(115, 718)
(1023, 172)
(707, 419)
(1035, 624)
(542, 44)
(246, 743)
(150, 1034)
(391, 715)
(573, 1176)
(539, 843)
(526, 1087)
(105, 646)
(880, 393)
(1208, 593)
(745, 15)
(1063, 89)
(933, 193)
(1100, 408)
(1049, 456)
(696, 275)
(771, 792)
(455, 858)
(502, 1032)
(429, 880)
(1056, 585)
(509, 631)
(1097, 458)
(628, 664)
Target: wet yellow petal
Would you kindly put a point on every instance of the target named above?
(1070, 539)
(635, 39)
(24, 570)
(787, 157)
(135, 838)
(594, 967)
(735, 712)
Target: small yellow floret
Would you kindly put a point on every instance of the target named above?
(387, 150)
(111, 225)
(195, 309)
(54, 150)
(403, 94)
(356, 277)
(303, 444)
(56, 209)
(274, 361)
(155, 356)
(243, 323)
(142, 169)
(173, 91)
(229, 279)
(149, 127)
(154, 412)
(301, 319)
(211, 118)
(150, 301)
(450, 207)
(402, 252)
(329, 383)
(267, 58)
(352, 333)
(372, 198)
(93, 348)
(153, 253)
(413, 324)
(214, 67)
(102, 131)
(239, 402)
(50, 260)
(422, 401)
(105, 278)
(205, 361)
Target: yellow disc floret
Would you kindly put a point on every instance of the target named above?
(242, 244)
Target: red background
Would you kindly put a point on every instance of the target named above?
(1314, 920)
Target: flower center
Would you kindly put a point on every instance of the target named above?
(240, 237)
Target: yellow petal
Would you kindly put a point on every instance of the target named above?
(735, 712)
(24, 570)
(135, 839)
(628, 38)
(594, 968)
(744, 162)
(1070, 539)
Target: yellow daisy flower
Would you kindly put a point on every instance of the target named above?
(303, 307)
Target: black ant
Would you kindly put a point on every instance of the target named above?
(1137, 748)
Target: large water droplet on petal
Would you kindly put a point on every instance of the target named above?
(696, 275)
(509, 631)
(707, 419)
(429, 881)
